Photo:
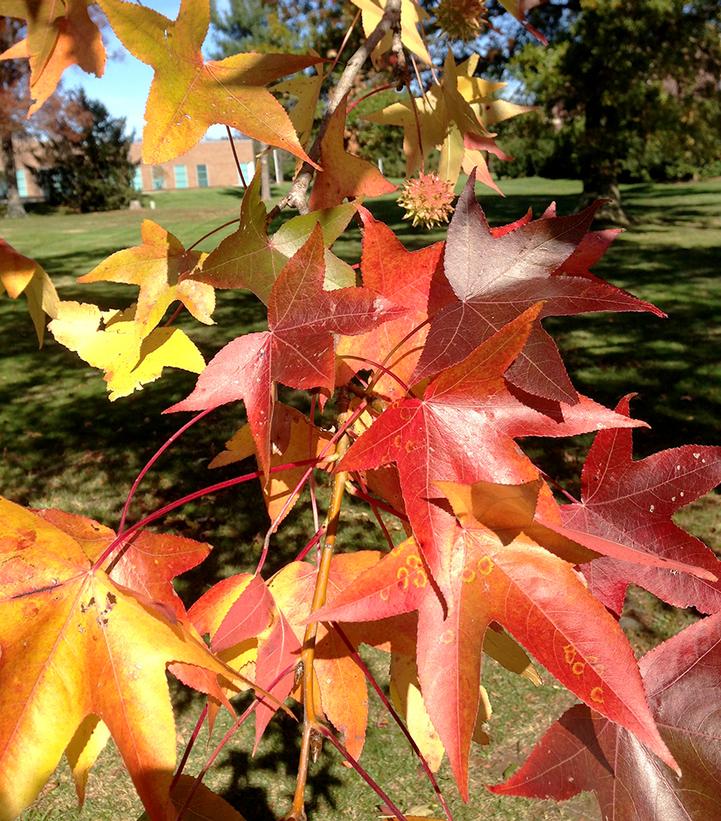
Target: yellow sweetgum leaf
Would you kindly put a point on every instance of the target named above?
(75, 645)
(189, 94)
(113, 342)
(158, 267)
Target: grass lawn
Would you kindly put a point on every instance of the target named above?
(64, 445)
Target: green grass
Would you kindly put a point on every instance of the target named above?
(64, 445)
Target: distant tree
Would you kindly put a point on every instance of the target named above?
(637, 80)
(86, 164)
(14, 100)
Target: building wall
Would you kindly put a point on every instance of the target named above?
(186, 171)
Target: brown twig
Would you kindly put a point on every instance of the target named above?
(310, 708)
(297, 197)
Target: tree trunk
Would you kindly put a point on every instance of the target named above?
(15, 205)
(601, 183)
(265, 191)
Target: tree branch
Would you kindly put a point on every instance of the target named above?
(297, 197)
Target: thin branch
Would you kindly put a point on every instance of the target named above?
(235, 156)
(297, 197)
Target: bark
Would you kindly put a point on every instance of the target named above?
(15, 206)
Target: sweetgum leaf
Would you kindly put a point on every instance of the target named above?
(250, 258)
(584, 751)
(633, 502)
(410, 279)
(21, 275)
(462, 430)
(533, 594)
(297, 350)
(59, 35)
(495, 279)
(159, 267)
(343, 174)
(189, 94)
(76, 643)
(293, 439)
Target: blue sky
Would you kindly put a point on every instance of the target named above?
(124, 86)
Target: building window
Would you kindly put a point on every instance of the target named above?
(202, 172)
(181, 176)
(138, 178)
(248, 171)
(22, 182)
(158, 175)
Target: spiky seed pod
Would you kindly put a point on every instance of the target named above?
(427, 200)
(462, 19)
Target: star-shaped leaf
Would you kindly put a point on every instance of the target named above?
(60, 34)
(411, 279)
(584, 751)
(463, 430)
(189, 94)
(297, 350)
(633, 502)
(75, 644)
(412, 17)
(343, 174)
(112, 341)
(496, 278)
(249, 258)
(159, 267)
(533, 594)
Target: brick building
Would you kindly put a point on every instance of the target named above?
(207, 164)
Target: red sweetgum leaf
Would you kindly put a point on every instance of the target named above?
(343, 174)
(189, 94)
(496, 278)
(536, 596)
(583, 751)
(297, 350)
(463, 430)
(632, 502)
(76, 644)
(410, 279)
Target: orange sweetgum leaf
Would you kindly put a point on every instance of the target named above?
(343, 174)
(583, 751)
(189, 94)
(21, 275)
(59, 35)
(410, 279)
(533, 594)
(159, 267)
(293, 439)
(76, 643)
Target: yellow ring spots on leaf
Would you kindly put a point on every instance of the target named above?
(578, 668)
(468, 575)
(402, 576)
(414, 560)
(485, 565)
(420, 579)
(569, 653)
(597, 695)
